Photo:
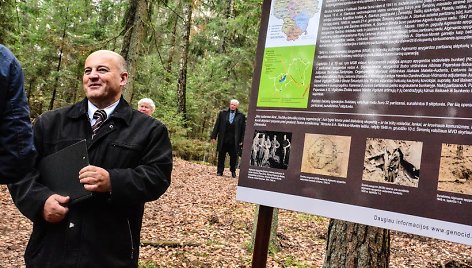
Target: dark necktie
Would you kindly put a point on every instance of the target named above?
(100, 116)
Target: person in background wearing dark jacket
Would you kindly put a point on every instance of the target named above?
(229, 129)
(130, 159)
(17, 151)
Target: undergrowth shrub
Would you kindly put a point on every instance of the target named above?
(194, 150)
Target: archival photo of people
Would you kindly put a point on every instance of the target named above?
(326, 155)
(271, 149)
(455, 169)
(392, 161)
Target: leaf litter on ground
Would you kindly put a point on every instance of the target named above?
(199, 223)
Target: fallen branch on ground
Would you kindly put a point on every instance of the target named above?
(170, 244)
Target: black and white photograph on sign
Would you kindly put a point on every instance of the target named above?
(326, 155)
(455, 169)
(392, 161)
(271, 149)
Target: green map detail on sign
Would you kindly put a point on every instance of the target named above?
(286, 76)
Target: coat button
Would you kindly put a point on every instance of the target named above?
(111, 126)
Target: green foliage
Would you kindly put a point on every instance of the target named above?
(220, 62)
(7, 20)
(174, 123)
(54, 37)
(193, 150)
(225, 74)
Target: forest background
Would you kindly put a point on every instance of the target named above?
(190, 57)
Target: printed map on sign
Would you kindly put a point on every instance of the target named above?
(286, 76)
(289, 52)
(293, 22)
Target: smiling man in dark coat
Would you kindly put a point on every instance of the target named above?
(229, 129)
(130, 163)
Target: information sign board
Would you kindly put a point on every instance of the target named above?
(362, 111)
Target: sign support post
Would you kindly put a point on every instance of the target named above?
(261, 243)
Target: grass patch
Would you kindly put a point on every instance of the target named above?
(311, 218)
(146, 265)
(291, 262)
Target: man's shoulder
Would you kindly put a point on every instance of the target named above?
(59, 112)
(64, 109)
(240, 114)
(7, 59)
(5, 55)
(222, 113)
(145, 119)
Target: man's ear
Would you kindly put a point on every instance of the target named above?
(124, 78)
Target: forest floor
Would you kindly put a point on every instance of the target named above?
(198, 223)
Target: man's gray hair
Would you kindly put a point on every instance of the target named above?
(148, 101)
(235, 101)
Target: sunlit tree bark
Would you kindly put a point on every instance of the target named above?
(356, 245)
(182, 81)
(173, 22)
(229, 14)
(135, 31)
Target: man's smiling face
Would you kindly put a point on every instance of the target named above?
(104, 78)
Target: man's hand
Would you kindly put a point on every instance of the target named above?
(213, 140)
(95, 179)
(54, 210)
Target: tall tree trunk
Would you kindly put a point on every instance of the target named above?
(77, 87)
(229, 14)
(135, 31)
(182, 82)
(170, 58)
(59, 60)
(356, 245)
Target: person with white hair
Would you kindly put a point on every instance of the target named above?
(229, 129)
(146, 106)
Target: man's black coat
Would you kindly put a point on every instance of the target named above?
(103, 231)
(220, 128)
